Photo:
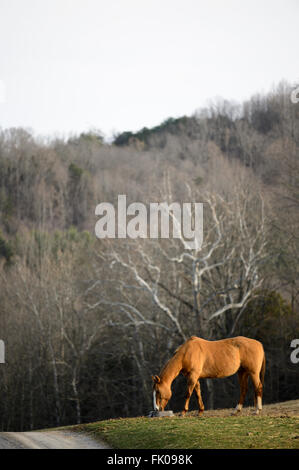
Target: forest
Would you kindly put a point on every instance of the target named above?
(86, 322)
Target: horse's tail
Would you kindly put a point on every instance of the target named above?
(263, 370)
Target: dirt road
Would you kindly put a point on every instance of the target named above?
(48, 440)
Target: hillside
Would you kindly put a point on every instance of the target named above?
(276, 428)
(86, 322)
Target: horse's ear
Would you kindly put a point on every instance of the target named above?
(156, 379)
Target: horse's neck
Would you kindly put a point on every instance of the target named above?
(171, 370)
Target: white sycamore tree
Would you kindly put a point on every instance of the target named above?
(164, 288)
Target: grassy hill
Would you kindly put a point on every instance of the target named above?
(276, 428)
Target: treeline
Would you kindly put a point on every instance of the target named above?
(86, 322)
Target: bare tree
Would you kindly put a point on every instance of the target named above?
(163, 285)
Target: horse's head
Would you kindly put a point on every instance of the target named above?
(161, 393)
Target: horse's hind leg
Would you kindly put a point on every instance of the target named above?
(243, 381)
(200, 402)
(258, 392)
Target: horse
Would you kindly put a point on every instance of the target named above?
(198, 358)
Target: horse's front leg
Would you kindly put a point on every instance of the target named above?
(191, 381)
(199, 399)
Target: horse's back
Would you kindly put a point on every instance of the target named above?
(211, 358)
(224, 357)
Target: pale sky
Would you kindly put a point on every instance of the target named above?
(67, 66)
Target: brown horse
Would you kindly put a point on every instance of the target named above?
(198, 358)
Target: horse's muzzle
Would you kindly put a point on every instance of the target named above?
(154, 401)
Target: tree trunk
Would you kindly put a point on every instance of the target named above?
(210, 387)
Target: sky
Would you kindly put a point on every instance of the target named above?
(69, 66)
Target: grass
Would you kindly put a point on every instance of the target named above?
(211, 432)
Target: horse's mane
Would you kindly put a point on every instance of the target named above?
(189, 339)
(172, 361)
